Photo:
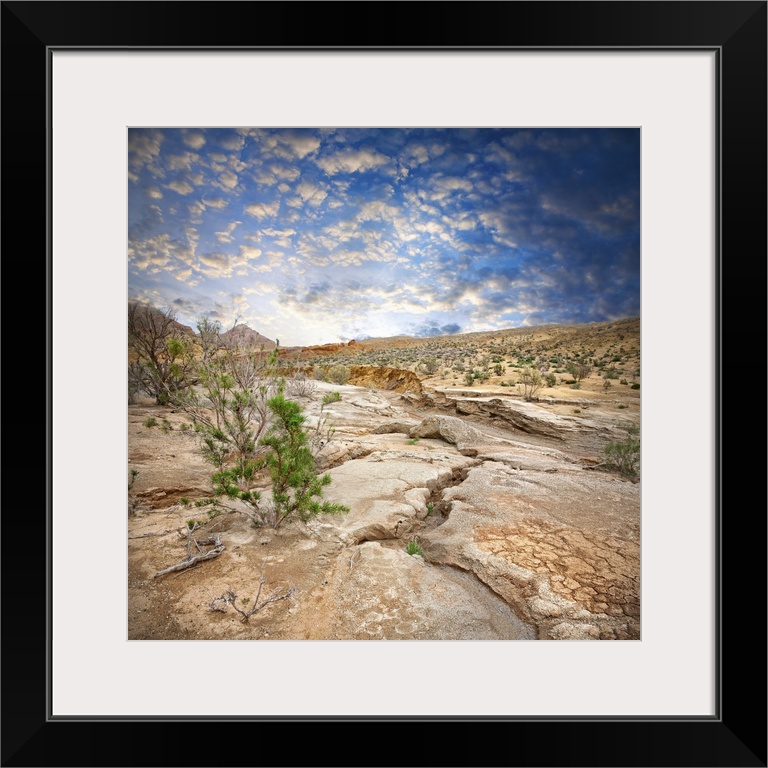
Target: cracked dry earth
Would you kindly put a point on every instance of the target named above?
(524, 536)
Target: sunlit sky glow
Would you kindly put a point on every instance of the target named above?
(313, 236)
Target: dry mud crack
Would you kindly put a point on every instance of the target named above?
(520, 541)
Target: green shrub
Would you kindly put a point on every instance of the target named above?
(635, 386)
(413, 548)
(624, 455)
(331, 397)
(339, 374)
(296, 487)
(150, 422)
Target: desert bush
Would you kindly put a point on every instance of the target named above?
(338, 374)
(296, 487)
(469, 378)
(530, 383)
(430, 365)
(635, 386)
(300, 386)
(229, 410)
(551, 379)
(624, 455)
(331, 397)
(150, 422)
(165, 361)
(579, 369)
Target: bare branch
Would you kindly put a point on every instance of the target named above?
(184, 564)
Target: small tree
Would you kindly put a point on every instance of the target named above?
(579, 369)
(296, 486)
(624, 455)
(430, 365)
(165, 361)
(530, 383)
(339, 374)
(229, 409)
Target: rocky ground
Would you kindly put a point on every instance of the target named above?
(524, 534)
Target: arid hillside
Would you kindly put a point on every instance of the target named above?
(491, 483)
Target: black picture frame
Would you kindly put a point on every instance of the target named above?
(736, 735)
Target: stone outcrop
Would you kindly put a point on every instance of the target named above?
(454, 431)
(391, 379)
(561, 547)
(382, 593)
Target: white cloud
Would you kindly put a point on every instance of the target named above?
(183, 275)
(285, 173)
(310, 193)
(196, 210)
(281, 237)
(182, 162)
(377, 210)
(232, 142)
(263, 210)
(300, 144)
(158, 251)
(445, 186)
(225, 236)
(144, 146)
(182, 187)
(215, 265)
(351, 161)
(249, 253)
(194, 139)
(155, 193)
(228, 179)
(216, 202)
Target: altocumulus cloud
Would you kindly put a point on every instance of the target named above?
(314, 236)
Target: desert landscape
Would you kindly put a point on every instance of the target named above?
(489, 484)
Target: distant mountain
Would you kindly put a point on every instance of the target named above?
(243, 335)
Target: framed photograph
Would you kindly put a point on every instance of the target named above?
(689, 78)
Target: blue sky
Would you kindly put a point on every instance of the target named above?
(323, 235)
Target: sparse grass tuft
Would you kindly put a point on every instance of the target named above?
(413, 548)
